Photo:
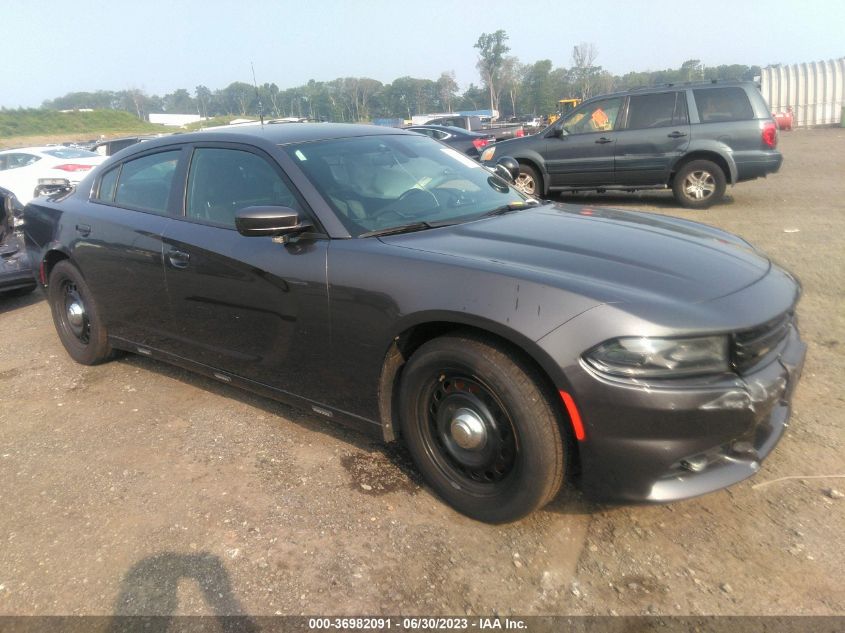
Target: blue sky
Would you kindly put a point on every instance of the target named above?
(54, 47)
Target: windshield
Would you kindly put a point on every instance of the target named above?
(70, 152)
(379, 182)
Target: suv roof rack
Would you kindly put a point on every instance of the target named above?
(674, 84)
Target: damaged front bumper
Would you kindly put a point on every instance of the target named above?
(665, 443)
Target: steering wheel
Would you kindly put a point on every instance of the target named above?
(409, 204)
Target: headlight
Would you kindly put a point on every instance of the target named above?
(661, 357)
(487, 154)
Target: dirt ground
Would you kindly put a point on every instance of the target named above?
(134, 487)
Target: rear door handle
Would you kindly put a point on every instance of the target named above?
(604, 140)
(83, 229)
(677, 135)
(178, 259)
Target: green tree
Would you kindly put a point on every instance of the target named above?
(584, 71)
(447, 89)
(491, 57)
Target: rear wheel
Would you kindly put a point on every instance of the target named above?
(481, 429)
(528, 181)
(76, 317)
(699, 184)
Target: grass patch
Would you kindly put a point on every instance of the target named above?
(33, 122)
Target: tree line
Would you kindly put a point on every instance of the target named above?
(506, 85)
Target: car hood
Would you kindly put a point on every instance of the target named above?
(607, 254)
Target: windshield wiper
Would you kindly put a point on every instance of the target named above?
(507, 208)
(402, 228)
(407, 228)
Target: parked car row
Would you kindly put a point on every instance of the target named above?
(30, 171)
(379, 278)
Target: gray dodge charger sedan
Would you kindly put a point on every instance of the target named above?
(379, 278)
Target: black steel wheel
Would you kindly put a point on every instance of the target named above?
(699, 184)
(481, 429)
(76, 316)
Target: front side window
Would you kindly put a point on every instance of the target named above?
(656, 110)
(145, 183)
(723, 104)
(223, 181)
(598, 116)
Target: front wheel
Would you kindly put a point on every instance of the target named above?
(699, 184)
(76, 317)
(480, 428)
(528, 181)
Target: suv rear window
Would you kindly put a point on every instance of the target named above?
(723, 104)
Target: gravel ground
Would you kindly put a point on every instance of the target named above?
(134, 487)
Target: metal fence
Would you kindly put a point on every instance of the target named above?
(814, 91)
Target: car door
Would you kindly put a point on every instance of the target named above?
(655, 133)
(253, 307)
(579, 148)
(118, 243)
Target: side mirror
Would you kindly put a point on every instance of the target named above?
(253, 221)
(508, 168)
(558, 132)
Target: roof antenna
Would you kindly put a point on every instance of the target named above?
(257, 95)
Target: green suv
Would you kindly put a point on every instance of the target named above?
(694, 138)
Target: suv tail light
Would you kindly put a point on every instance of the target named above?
(73, 167)
(480, 143)
(520, 133)
(770, 135)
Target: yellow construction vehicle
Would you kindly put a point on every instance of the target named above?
(563, 107)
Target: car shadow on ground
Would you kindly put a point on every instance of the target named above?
(9, 301)
(363, 467)
(149, 599)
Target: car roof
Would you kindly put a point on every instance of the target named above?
(269, 133)
(673, 86)
(448, 128)
(285, 133)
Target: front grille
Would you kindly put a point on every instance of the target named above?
(751, 346)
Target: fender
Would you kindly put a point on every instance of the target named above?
(700, 149)
(429, 324)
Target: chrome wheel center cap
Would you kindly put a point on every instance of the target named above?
(75, 314)
(468, 430)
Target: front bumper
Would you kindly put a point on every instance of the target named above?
(661, 443)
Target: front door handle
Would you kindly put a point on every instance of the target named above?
(604, 140)
(677, 135)
(178, 259)
(83, 229)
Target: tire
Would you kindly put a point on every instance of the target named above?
(481, 429)
(528, 181)
(76, 316)
(699, 184)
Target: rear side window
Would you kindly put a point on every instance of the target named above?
(222, 181)
(145, 182)
(108, 183)
(723, 104)
(663, 109)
